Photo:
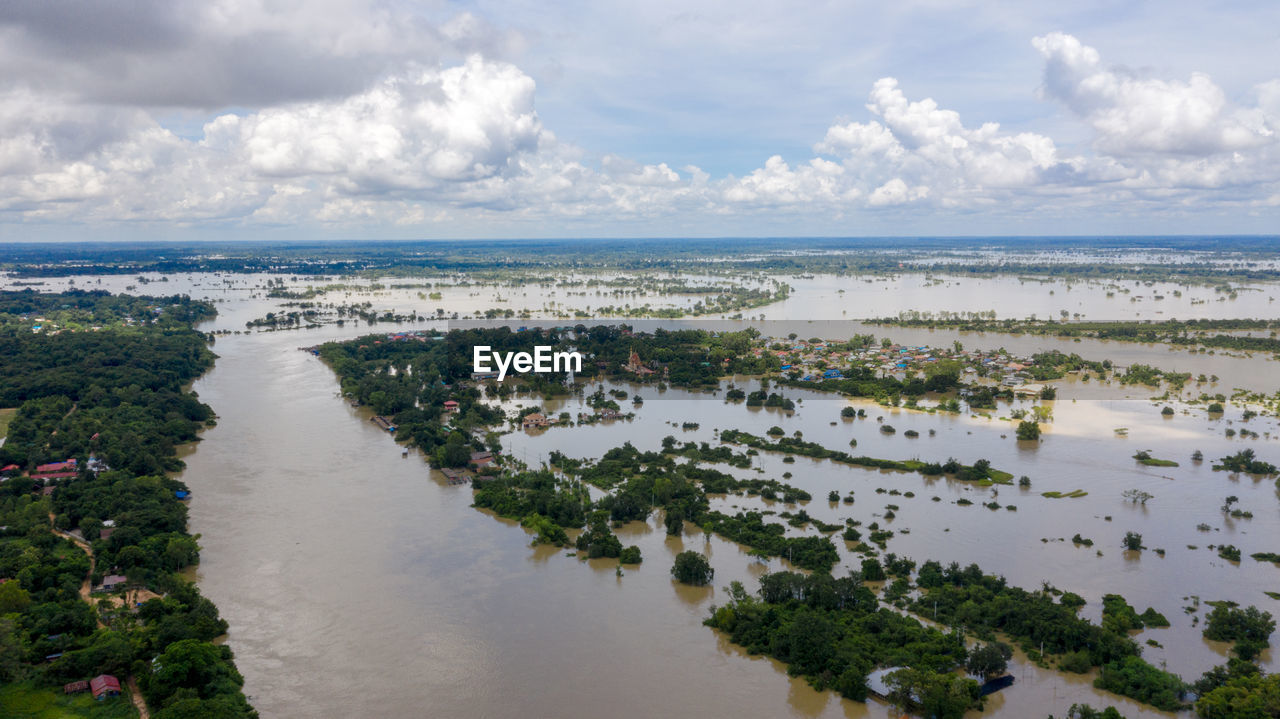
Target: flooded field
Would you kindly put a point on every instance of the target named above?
(334, 556)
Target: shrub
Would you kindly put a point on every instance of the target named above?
(1075, 662)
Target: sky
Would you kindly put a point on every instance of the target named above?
(293, 119)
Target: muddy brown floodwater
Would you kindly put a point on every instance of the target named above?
(357, 583)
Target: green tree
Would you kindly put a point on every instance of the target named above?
(1028, 430)
(989, 660)
(692, 568)
(192, 664)
(10, 650)
(941, 696)
(454, 452)
(1244, 697)
(674, 521)
(810, 645)
(1231, 624)
(13, 598)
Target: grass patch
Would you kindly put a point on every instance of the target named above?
(1068, 495)
(1266, 556)
(27, 701)
(6, 416)
(1273, 595)
(1153, 462)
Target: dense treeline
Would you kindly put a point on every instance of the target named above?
(1193, 333)
(114, 400)
(979, 471)
(684, 358)
(775, 255)
(97, 308)
(639, 483)
(834, 632)
(1041, 622)
(115, 393)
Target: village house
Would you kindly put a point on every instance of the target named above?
(64, 466)
(536, 419)
(103, 686)
(451, 405)
(110, 583)
(454, 476)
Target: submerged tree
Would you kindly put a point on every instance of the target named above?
(943, 696)
(1028, 430)
(989, 660)
(1137, 496)
(692, 568)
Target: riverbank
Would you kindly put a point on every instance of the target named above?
(86, 448)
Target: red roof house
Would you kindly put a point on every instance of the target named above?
(451, 406)
(104, 685)
(46, 476)
(69, 465)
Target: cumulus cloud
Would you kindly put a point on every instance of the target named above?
(818, 181)
(209, 55)
(920, 142)
(1133, 114)
(442, 132)
(437, 143)
(463, 123)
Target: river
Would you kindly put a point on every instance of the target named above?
(357, 583)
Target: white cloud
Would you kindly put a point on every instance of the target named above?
(930, 146)
(464, 123)
(1133, 114)
(817, 182)
(442, 145)
(896, 192)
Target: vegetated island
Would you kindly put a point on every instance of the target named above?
(833, 630)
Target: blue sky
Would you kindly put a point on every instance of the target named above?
(383, 118)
